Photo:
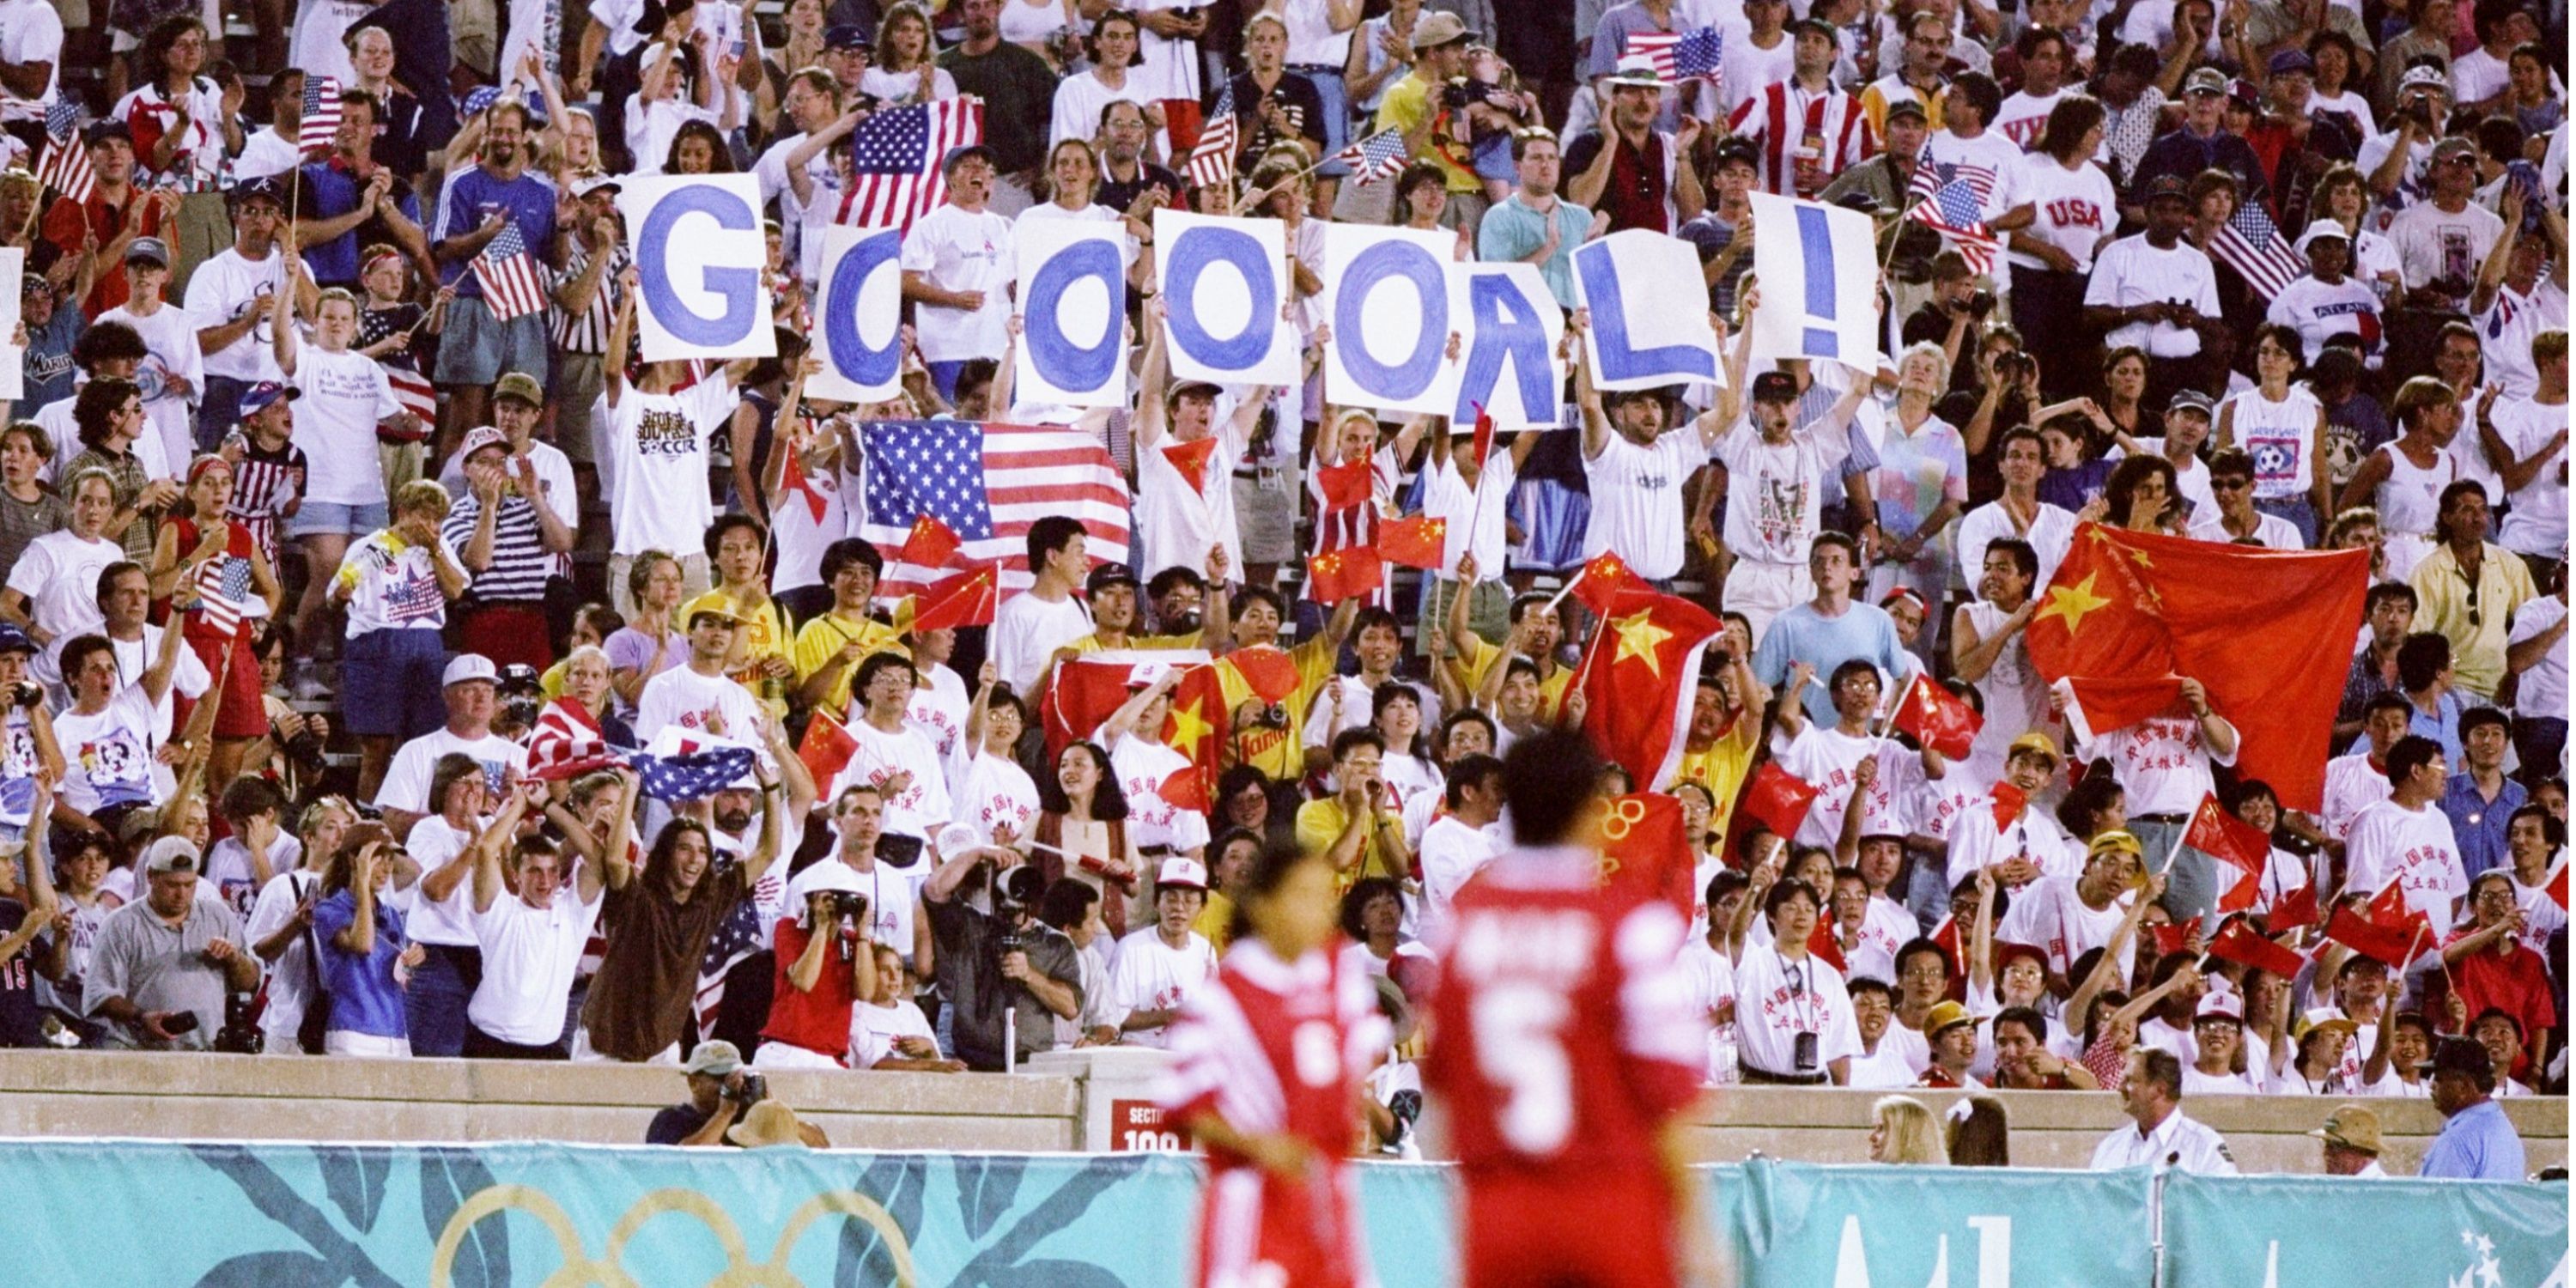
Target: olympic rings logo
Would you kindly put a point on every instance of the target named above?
(1620, 817)
(579, 1270)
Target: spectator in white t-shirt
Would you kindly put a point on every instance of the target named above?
(957, 271)
(468, 688)
(658, 436)
(106, 732)
(1162, 966)
(1030, 626)
(700, 697)
(2407, 839)
(887, 1028)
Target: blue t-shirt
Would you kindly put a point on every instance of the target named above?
(475, 194)
(2476, 1144)
(364, 997)
(1863, 631)
(46, 373)
(335, 193)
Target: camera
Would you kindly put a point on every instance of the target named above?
(305, 751)
(2419, 109)
(750, 1089)
(238, 1035)
(2013, 366)
(1458, 94)
(1981, 304)
(1007, 942)
(26, 693)
(1406, 1108)
(844, 905)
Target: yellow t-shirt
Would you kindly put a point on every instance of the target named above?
(1320, 822)
(1407, 104)
(822, 639)
(1478, 665)
(1216, 921)
(1278, 753)
(766, 632)
(1721, 768)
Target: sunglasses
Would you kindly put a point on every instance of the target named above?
(2229, 484)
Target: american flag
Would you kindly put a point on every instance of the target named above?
(321, 113)
(2250, 244)
(223, 592)
(65, 167)
(738, 935)
(414, 392)
(1680, 55)
(1931, 176)
(512, 286)
(1952, 211)
(566, 741)
(682, 768)
(895, 157)
(1379, 156)
(988, 483)
(1212, 161)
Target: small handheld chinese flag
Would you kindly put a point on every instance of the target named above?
(1344, 485)
(931, 543)
(2297, 908)
(2222, 835)
(1778, 799)
(967, 599)
(2237, 942)
(1347, 573)
(1266, 669)
(1185, 788)
(2008, 802)
(1484, 442)
(1938, 718)
(1416, 541)
(2173, 939)
(826, 748)
(1191, 460)
(1602, 580)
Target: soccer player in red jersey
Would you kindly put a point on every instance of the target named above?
(1564, 1049)
(1267, 1077)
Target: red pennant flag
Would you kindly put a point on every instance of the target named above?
(1947, 936)
(1185, 789)
(1344, 485)
(2237, 941)
(825, 749)
(1267, 670)
(792, 480)
(2558, 883)
(1484, 442)
(930, 544)
(1184, 118)
(1822, 943)
(2242, 896)
(2268, 633)
(1777, 799)
(1602, 580)
(1938, 718)
(1416, 541)
(1638, 676)
(967, 599)
(1347, 573)
(1644, 847)
(1191, 459)
(2008, 803)
(2297, 908)
(2174, 939)
(2222, 835)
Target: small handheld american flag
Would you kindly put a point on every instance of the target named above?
(1379, 156)
(65, 167)
(512, 287)
(2252, 245)
(1212, 161)
(1952, 211)
(223, 590)
(1681, 55)
(321, 113)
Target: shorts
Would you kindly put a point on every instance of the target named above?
(399, 463)
(507, 633)
(1265, 520)
(389, 683)
(365, 1045)
(578, 382)
(477, 347)
(1606, 1230)
(1762, 591)
(332, 519)
(584, 1053)
(1488, 613)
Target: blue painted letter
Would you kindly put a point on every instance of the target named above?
(739, 287)
(850, 355)
(1506, 327)
(1620, 360)
(1409, 377)
(1191, 255)
(1065, 364)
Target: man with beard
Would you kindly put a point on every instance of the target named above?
(659, 922)
(476, 346)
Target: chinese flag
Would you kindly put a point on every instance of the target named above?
(1344, 485)
(1822, 943)
(792, 482)
(1191, 459)
(2558, 883)
(1267, 670)
(1601, 581)
(2173, 939)
(2393, 944)
(2268, 633)
(1185, 789)
(2297, 908)
(2241, 896)
(826, 748)
(1416, 541)
(1644, 848)
(967, 599)
(1347, 573)
(2222, 835)
(1938, 719)
(2237, 942)
(2008, 802)
(1638, 675)
(1088, 690)
(1777, 799)
(1484, 441)
(930, 544)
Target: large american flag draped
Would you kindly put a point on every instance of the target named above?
(65, 166)
(738, 935)
(2250, 244)
(1952, 211)
(321, 125)
(566, 741)
(1212, 161)
(1680, 55)
(895, 157)
(1379, 156)
(988, 483)
(512, 285)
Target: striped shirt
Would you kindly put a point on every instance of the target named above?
(264, 484)
(587, 332)
(1785, 119)
(520, 563)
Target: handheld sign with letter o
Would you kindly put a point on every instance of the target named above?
(1224, 281)
(1386, 295)
(858, 314)
(1073, 320)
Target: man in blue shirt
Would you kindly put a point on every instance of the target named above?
(1831, 629)
(2480, 799)
(499, 192)
(2477, 1142)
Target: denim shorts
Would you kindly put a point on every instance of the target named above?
(477, 347)
(328, 518)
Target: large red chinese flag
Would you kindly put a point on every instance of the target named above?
(1644, 848)
(2267, 633)
(1938, 718)
(1637, 678)
(1088, 690)
(1777, 799)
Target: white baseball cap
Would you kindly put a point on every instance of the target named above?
(469, 666)
(1182, 873)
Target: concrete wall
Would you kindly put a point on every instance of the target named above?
(1062, 1105)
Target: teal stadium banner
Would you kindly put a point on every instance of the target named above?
(122, 1213)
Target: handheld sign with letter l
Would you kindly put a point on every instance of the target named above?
(1818, 266)
(1649, 311)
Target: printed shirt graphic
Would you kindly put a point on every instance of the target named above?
(393, 585)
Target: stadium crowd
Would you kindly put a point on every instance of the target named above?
(330, 582)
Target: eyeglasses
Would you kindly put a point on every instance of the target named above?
(2229, 484)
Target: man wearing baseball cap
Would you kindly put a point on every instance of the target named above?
(2477, 1141)
(1162, 965)
(2203, 142)
(469, 688)
(1953, 1035)
(98, 225)
(508, 539)
(2349, 1143)
(162, 965)
(232, 298)
(2151, 292)
(2431, 234)
(1789, 465)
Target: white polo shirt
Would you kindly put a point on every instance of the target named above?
(529, 955)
